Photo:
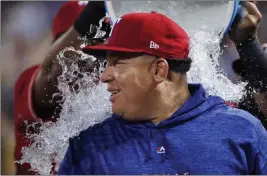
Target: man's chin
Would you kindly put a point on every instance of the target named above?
(131, 118)
(128, 115)
(123, 114)
(117, 111)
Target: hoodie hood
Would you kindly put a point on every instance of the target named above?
(197, 104)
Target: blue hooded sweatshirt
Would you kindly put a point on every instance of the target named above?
(204, 136)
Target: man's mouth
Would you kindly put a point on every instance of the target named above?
(113, 95)
(114, 92)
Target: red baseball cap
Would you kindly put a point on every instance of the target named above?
(66, 16)
(150, 33)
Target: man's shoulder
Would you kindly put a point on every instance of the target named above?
(104, 126)
(233, 116)
(99, 132)
(23, 106)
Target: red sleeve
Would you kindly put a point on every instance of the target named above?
(23, 95)
(23, 115)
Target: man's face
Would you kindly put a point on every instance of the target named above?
(130, 82)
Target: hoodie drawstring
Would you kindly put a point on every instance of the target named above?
(148, 136)
(165, 144)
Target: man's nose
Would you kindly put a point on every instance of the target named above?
(107, 75)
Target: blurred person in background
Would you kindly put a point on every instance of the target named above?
(36, 85)
(20, 38)
(252, 65)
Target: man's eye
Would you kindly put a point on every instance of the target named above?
(120, 62)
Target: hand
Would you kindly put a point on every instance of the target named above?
(88, 21)
(245, 28)
(97, 4)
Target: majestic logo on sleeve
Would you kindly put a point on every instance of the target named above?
(161, 150)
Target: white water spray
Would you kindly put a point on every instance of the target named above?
(205, 52)
(81, 109)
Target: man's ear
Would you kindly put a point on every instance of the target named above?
(159, 70)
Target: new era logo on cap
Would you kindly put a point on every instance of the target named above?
(116, 22)
(153, 45)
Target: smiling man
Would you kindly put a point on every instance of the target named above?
(160, 123)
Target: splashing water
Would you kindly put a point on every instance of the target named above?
(89, 104)
(85, 103)
(205, 52)
(80, 110)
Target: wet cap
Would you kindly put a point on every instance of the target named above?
(66, 16)
(151, 33)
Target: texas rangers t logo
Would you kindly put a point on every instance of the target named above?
(116, 22)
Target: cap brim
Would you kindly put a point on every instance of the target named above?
(103, 48)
